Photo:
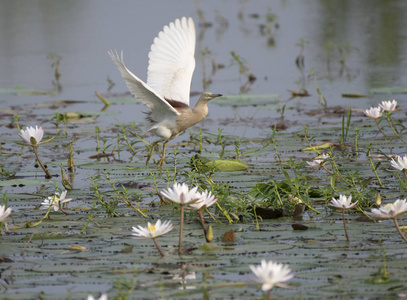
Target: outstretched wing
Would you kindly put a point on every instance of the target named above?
(172, 60)
(159, 107)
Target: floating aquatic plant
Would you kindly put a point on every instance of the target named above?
(343, 203)
(388, 106)
(102, 297)
(208, 200)
(182, 195)
(153, 232)
(56, 202)
(4, 213)
(271, 274)
(391, 211)
(32, 137)
(375, 113)
(400, 164)
(319, 162)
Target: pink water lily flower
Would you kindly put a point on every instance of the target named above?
(343, 202)
(181, 194)
(388, 106)
(4, 213)
(102, 297)
(390, 210)
(31, 132)
(55, 201)
(400, 164)
(152, 231)
(270, 274)
(374, 112)
(206, 200)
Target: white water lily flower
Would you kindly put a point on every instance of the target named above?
(152, 231)
(181, 194)
(374, 112)
(102, 297)
(4, 213)
(388, 106)
(400, 164)
(270, 274)
(316, 163)
(391, 210)
(207, 199)
(31, 132)
(343, 202)
(55, 201)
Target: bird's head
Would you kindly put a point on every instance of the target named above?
(209, 96)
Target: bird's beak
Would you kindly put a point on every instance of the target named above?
(216, 95)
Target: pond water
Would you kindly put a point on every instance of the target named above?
(353, 51)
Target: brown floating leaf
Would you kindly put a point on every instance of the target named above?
(77, 248)
(229, 236)
(128, 249)
(5, 260)
(353, 95)
(279, 126)
(299, 210)
(299, 227)
(302, 93)
(268, 213)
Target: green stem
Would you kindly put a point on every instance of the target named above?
(371, 162)
(255, 150)
(337, 172)
(46, 215)
(41, 164)
(126, 140)
(225, 213)
(394, 125)
(394, 129)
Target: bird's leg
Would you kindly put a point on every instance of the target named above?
(150, 153)
(161, 162)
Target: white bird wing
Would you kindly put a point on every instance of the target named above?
(159, 107)
(172, 60)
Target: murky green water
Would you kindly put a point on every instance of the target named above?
(367, 36)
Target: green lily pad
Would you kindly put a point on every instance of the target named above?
(228, 165)
(246, 100)
(23, 182)
(389, 90)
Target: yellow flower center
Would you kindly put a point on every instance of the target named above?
(151, 228)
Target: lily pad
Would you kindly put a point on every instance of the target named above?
(23, 182)
(389, 90)
(228, 165)
(246, 100)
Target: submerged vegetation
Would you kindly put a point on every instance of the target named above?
(311, 210)
(260, 185)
